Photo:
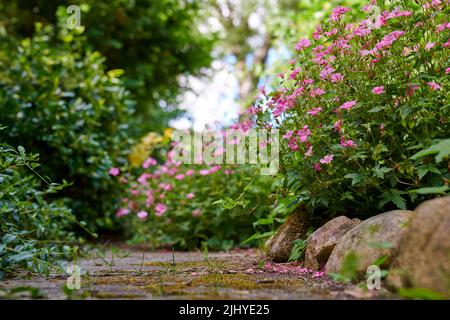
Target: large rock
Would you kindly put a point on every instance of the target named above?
(322, 242)
(372, 239)
(280, 245)
(424, 253)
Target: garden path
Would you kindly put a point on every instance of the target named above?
(124, 273)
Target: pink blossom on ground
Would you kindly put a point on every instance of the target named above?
(196, 213)
(348, 105)
(228, 171)
(114, 171)
(288, 134)
(434, 86)
(160, 209)
(378, 90)
(142, 215)
(189, 172)
(327, 159)
(190, 195)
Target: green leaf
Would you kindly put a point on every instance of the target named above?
(432, 190)
(420, 293)
(442, 149)
(356, 177)
(393, 196)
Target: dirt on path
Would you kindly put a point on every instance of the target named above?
(132, 274)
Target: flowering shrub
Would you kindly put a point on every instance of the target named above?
(175, 205)
(360, 99)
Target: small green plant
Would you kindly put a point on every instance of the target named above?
(298, 250)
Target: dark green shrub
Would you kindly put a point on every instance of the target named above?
(58, 100)
(33, 232)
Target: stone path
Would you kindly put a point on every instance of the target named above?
(132, 274)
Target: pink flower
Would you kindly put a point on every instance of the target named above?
(429, 46)
(150, 198)
(190, 195)
(327, 159)
(348, 143)
(318, 274)
(337, 77)
(434, 86)
(294, 73)
(317, 167)
(189, 172)
(122, 212)
(337, 125)
(348, 105)
(378, 90)
(314, 111)
(165, 186)
(302, 44)
(337, 13)
(114, 171)
(288, 135)
(180, 176)
(447, 71)
(142, 215)
(143, 178)
(304, 133)
(160, 209)
(411, 89)
(316, 92)
(309, 152)
(149, 162)
(196, 213)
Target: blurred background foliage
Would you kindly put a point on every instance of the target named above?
(154, 42)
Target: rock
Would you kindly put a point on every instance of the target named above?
(372, 239)
(322, 242)
(280, 245)
(424, 253)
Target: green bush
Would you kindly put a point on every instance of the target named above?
(155, 42)
(33, 232)
(57, 99)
